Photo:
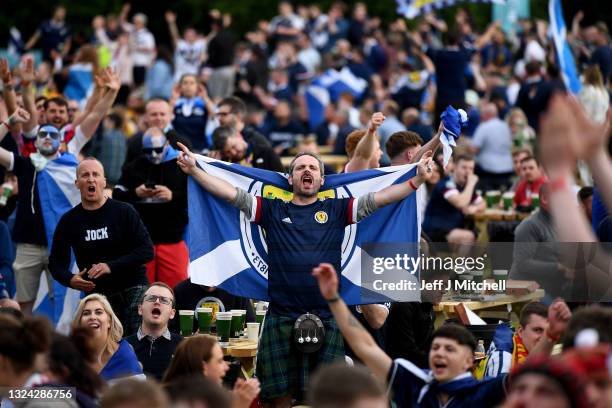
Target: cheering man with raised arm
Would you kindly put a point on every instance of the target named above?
(449, 381)
(299, 235)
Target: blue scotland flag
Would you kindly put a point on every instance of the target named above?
(228, 251)
(327, 88)
(58, 194)
(562, 48)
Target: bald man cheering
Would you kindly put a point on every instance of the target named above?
(110, 244)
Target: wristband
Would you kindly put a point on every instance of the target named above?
(6, 124)
(558, 184)
(551, 338)
(334, 299)
(412, 185)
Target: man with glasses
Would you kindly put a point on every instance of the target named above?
(153, 343)
(157, 189)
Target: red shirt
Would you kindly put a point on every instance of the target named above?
(524, 191)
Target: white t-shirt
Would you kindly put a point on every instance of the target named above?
(139, 40)
(187, 57)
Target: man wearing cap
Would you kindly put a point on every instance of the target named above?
(158, 190)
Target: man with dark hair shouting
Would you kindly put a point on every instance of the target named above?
(449, 381)
(299, 235)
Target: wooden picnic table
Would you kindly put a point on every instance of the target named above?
(482, 220)
(494, 214)
(245, 351)
(495, 303)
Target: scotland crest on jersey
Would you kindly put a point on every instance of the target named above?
(228, 251)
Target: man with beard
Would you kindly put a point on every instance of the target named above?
(299, 235)
(29, 231)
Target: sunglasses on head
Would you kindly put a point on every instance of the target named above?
(150, 150)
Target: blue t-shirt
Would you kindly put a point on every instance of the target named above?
(441, 215)
(299, 238)
(190, 118)
(450, 72)
(414, 387)
(53, 36)
(123, 363)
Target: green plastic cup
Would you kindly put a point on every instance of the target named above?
(493, 198)
(242, 321)
(236, 323)
(186, 321)
(508, 198)
(224, 323)
(204, 319)
(259, 316)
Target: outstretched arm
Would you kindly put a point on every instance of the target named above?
(174, 32)
(354, 333)
(431, 145)
(397, 192)
(27, 78)
(366, 146)
(93, 119)
(19, 116)
(10, 99)
(214, 185)
(92, 101)
(559, 315)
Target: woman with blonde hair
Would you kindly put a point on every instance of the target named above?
(202, 356)
(593, 96)
(115, 358)
(523, 135)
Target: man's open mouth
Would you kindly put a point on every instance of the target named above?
(91, 189)
(439, 365)
(307, 180)
(156, 312)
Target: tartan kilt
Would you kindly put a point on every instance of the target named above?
(281, 368)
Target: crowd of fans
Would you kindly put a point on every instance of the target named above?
(132, 111)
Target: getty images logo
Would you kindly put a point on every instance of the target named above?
(97, 234)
